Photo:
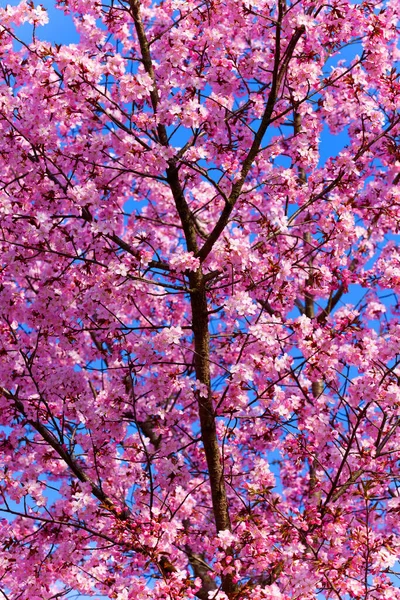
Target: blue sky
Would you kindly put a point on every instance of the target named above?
(60, 28)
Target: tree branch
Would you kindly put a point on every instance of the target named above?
(200, 318)
(278, 74)
(59, 448)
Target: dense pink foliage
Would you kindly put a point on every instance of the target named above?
(175, 313)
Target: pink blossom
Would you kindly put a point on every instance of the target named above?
(199, 316)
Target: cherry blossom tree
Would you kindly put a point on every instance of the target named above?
(200, 336)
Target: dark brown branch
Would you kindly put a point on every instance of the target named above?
(172, 171)
(62, 452)
(182, 207)
(147, 63)
(278, 74)
(309, 310)
(202, 570)
(337, 490)
(343, 488)
(200, 317)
